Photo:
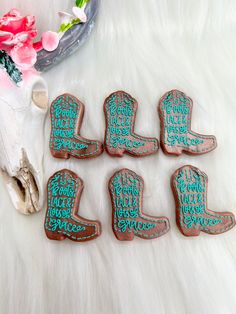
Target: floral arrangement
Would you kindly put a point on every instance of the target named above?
(18, 33)
(69, 20)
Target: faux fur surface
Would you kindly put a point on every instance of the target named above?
(145, 48)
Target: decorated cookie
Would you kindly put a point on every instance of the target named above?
(128, 219)
(120, 111)
(62, 221)
(189, 186)
(175, 110)
(66, 120)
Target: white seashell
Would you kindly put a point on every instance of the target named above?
(22, 115)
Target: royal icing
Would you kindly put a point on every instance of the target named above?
(62, 220)
(190, 189)
(126, 190)
(175, 110)
(66, 120)
(120, 110)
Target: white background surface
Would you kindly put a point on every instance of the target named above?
(145, 48)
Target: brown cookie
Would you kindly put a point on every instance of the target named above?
(128, 219)
(189, 185)
(66, 120)
(120, 112)
(175, 111)
(62, 221)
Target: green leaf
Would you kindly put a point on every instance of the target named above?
(81, 3)
(65, 27)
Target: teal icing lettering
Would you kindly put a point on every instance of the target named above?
(61, 202)
(120, 121)
(62, 191)
(124, 224)
(119, 131)
(65, 113)
(116, 140)
(63, 133)
(67, 143)
(170, 108)
(176, 120)
(190, 221)
(55, 224)
(176, 139)
(132, 213)
(191, 198)
(124, 202)
(176, 129)
(64, 123)
(188, 209)
(115, 109)
(59, 213)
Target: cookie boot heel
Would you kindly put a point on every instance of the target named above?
(58, 154)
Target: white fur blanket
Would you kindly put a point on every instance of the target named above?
(146, 48)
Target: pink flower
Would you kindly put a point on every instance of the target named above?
(17, 34)
(50, 40)
(15, 28)
(24, 55)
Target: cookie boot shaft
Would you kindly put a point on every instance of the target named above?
(128, 220)
(62, 221)
(175, 111)
(66, 120)
(120, 111)
(189, 186)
